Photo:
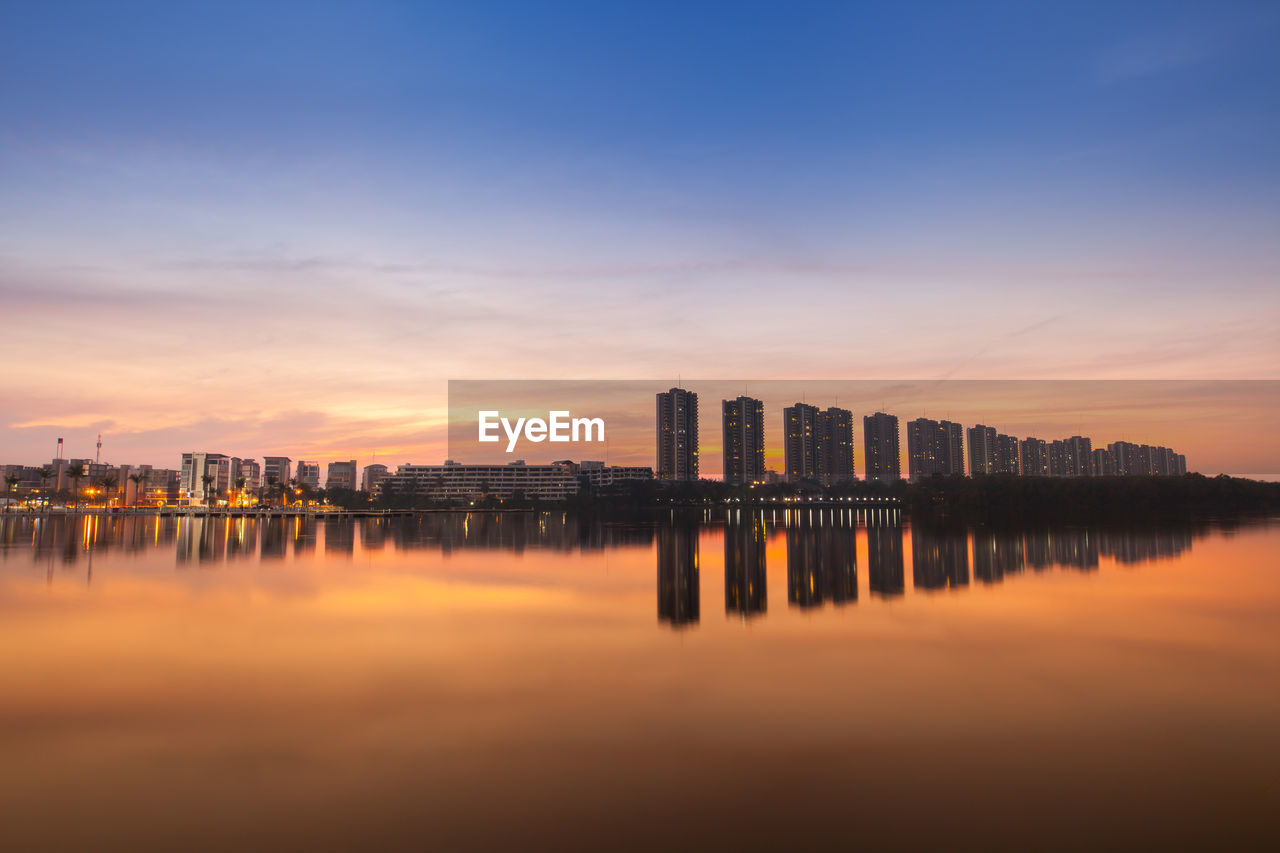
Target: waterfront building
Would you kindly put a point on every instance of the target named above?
(372, 476)
(677, 435)
(881, 448)
(307, 473)
(1034, 454)
(982, 449)
(1006, 454)
(742, 424)
(341, 475)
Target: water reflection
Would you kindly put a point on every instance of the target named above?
(746, 587)
(678, 582)
(822, 563)
(884, 560)
(821, 546)
(939, 560)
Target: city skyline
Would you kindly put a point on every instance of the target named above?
(352, 235)
(1006, 453)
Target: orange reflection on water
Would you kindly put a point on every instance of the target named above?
(463, 693)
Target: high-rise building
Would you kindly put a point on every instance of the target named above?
(835, 447)
(953, 460)
(677, 435)
(1035, 457)
(216, 466)
(1103, 463)
(308, 473)
(934, 447)
(743, 433)
(341, 475)
(800, 435)
(276, 470)
(251, 471)
(1078, 456)
(1006, 454)
(880, 438)
(372, 476)
(982, 450)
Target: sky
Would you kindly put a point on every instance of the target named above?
(280, 228)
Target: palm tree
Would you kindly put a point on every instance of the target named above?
(240, 481)
(11, 480)
(76, 473)
(46, 474)
(108, 482)
(207, 480)
(139, 481)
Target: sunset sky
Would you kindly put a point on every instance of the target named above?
(280, 228)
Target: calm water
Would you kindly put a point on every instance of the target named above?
(460, 681)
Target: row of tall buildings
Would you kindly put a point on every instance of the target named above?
(202, 476)
(818, 447)
(206, 475)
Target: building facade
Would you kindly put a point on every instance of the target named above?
(341, 475)
(677, 435)
(881, 448)
(742, 424)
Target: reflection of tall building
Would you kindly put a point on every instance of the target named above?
(677, 435)
(934, 447)
(745, 586)
(822, 563)
(1038, 550)
(373, 534)
(1130, 547)
(838, 550)
(1075, 549)
(304, 535)
(884, 560)
(743, 433)
(678, 593)
(996, 555)
(242, 537)
(339, 536)
(198, 540)
(939, 560)
(880, 443)
(275, 538)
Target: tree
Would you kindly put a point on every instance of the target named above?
(108, 482)
(46, 474)
(77, 473)
(207, 481)
(139, 481)
(240, 481)
(11, 480)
